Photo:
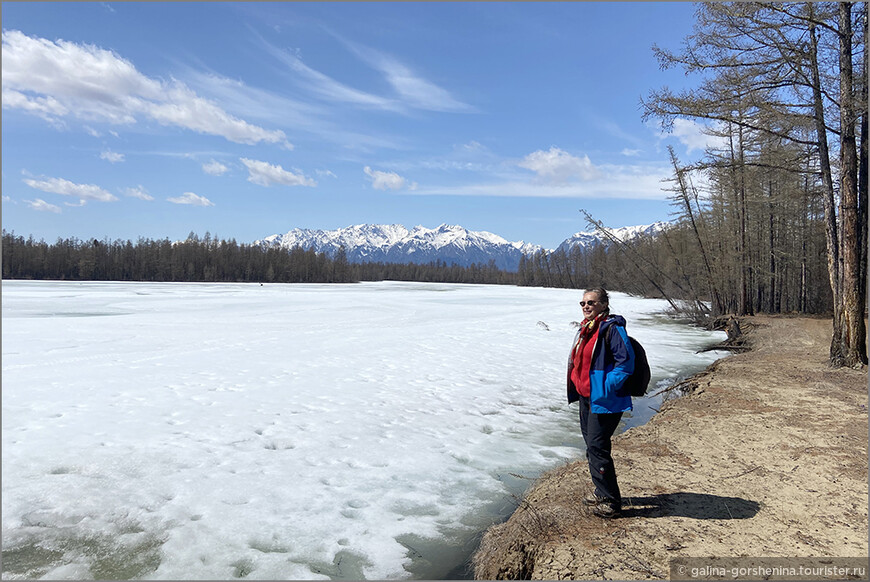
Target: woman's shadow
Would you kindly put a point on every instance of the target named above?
(693, 505)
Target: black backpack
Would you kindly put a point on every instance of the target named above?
(636, 384)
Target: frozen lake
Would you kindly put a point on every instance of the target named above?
(219, 431)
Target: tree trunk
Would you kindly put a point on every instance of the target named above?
(852, 350)
(831, 234)
(682, 194)
(863, 187)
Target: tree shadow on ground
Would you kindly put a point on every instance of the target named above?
(693, 505)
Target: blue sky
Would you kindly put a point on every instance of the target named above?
(151, 119)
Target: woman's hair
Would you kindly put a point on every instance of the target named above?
(602, 296)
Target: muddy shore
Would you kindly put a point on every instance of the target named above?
(765, 456)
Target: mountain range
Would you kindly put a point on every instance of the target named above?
(394, 243)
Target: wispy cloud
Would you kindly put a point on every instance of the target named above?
(388, 180)
(266, 174)
(616, 131)
(138, 192)
(266, 106)
(329, 88)
(191, 199)
(613, 182)
(110, 156)
(468, 157)
(412, 90)
(42, 206)
(57, 79)
(415, 91)
(64, 187)
(279, 109)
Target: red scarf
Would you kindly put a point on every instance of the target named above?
(588, 329)
(580, 375)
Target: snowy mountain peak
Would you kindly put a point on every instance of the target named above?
(588, 239)
(395, 243)
(450, 243)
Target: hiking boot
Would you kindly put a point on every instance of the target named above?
(607, 510)
(592, 499)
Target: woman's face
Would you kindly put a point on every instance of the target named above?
(591, 305)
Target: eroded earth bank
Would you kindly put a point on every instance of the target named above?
(766, 456)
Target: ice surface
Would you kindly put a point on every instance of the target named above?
(178, 431)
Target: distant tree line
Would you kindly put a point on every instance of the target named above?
(209, 259)
(788, 270)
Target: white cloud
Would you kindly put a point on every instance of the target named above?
(388, 180)
(138, 192)
(472, 146)
(55, 79)
(631, 153)
(691, 134)
(214, 168)
(42, 206)
(47, 107)
(558, 167)
(192, 199)
(66, 188)
(328, 173)
(266, 174)
(615, 182)
(111, 156)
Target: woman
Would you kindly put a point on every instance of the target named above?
(601, 359)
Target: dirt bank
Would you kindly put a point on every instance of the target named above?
(766, 457)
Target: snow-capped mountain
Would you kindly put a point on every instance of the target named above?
(588, 240)
(394, 243)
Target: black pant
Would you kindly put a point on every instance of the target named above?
(597, 430)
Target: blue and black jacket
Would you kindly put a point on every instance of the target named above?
(612, 364)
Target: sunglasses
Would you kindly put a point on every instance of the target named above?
(589, 303)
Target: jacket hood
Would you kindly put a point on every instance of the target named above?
(615, 319)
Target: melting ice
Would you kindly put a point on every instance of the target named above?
(177, 431)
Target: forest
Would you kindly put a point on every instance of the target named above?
(783, 88)
(772, 218)
(209, 259)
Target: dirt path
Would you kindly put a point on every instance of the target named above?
(767, 457)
